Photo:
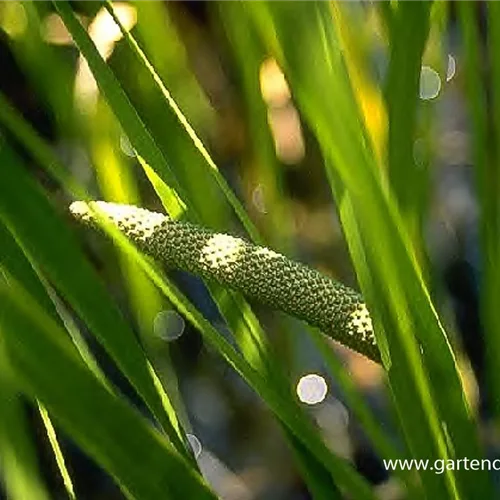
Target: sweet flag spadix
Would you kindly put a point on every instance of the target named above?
(257, 272)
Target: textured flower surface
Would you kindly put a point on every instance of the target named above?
(257, 272)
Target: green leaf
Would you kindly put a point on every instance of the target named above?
(48, 367)
(487, 174)
(20, 471)
(208, 164)
(421, 366)
(118, 101)
(410, 28)
(47, 242)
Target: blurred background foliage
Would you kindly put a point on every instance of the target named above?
(246, 117)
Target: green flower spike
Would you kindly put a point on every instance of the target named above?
(257, 272)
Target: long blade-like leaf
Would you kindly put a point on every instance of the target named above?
(48, 367)
(47, 242)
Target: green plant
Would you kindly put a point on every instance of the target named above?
(53, 300)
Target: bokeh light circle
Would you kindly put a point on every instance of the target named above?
(312, 389)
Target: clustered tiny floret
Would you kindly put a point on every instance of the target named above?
(257, 272)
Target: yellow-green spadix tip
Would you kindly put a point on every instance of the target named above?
(79, 208)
